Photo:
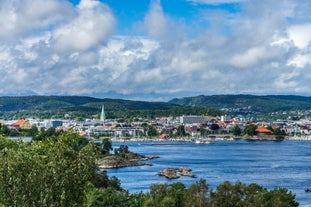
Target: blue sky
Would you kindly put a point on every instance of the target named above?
(155, 49)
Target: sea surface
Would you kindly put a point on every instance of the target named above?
(267, 163)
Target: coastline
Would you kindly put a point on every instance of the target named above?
(209, 139)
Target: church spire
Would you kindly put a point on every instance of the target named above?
(102, 114)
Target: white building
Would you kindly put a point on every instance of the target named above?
(192, 119)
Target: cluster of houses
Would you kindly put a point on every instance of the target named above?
(165, 126)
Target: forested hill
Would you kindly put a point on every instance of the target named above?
(89, 107)
(260, 104)
(14, 103)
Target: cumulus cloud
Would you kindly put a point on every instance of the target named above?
(73, 50)
(300, 35)
(155, 21)
(92, 26)
(24, 17)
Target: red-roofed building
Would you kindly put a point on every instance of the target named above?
(164, 136)
(21, 124)
(263, 131)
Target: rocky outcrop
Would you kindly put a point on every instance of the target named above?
(185, 171)
(173, 173)
(170, 173)
(124, 160)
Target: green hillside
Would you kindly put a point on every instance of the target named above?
(238, 103)
(88, 107)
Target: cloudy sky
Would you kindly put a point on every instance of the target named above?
(155, 49)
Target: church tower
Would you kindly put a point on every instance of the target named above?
(102, 114)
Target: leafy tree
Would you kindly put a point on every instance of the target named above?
(250, 130)
(226, 194)
(214, 127)
(47, 173)
(105, 197)
(203, 131)
(278, 132)
(4, 130)
(106, 146)
(177, 191)
(152, 132)
(197, 194)
(121, 150)
(46, 133)
(236, 131)
(181, 131)
(239, 194)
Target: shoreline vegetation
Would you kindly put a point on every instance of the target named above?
(210, 139)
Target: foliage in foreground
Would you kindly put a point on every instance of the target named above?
(196, 195)
(62, 171)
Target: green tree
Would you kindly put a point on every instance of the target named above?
(278, 132)
(250, 130)
(177, 191)
(181, 131)
(47, 173)
(236, 130)
(105, 146)
(105, 197)
(152, 131)
(197, 195)
(203, 131)
(240, 195)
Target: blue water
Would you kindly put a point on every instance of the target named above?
(267, 163)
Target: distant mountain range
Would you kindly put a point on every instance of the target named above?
(89, 105)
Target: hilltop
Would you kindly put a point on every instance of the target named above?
(244, 104)
(89, 107)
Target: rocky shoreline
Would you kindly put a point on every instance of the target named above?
(125, 160)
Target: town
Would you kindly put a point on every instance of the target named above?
(185, 127)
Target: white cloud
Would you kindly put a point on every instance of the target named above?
(257, 50)
(300, 35)
(155, 21)
(300, 61)
(250, 58)
(93, 25)
(23, 17)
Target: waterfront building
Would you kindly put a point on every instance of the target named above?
(192, 119)
(56, 123)
(21, 124)
(225, 118)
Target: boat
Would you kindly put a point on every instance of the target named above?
(198, 141)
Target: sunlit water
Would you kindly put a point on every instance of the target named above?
(270, 164)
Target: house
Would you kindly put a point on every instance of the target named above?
(164, 136)
(21, 124)
(262, 131)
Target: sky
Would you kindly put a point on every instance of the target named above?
(155, 50)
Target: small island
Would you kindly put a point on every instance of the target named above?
(123, 158)
(174, 173)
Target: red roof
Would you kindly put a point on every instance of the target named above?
(164, 136)
(263, 130)
(19, 122)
